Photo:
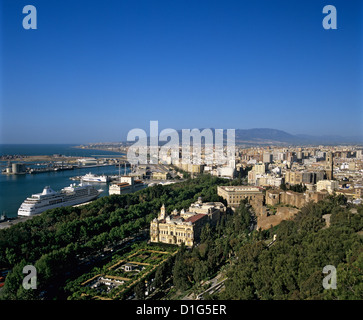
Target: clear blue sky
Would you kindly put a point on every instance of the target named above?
(93, 70)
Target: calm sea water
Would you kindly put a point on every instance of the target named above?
(50, 149)
(15, 188)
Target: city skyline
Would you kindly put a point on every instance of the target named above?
(92, 73)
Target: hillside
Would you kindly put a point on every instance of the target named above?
(292, 268)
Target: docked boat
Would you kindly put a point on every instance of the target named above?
(89, 177)
(50, 199)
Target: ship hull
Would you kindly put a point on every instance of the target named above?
(94, 180)
(57, 205)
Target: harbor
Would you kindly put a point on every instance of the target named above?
(30, 173)
(16, 168)
(50, 164)
(16, 188)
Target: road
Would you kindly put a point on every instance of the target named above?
(215, 284)
(11, 222)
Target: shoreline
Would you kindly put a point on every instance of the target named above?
(40, 158)
(100, 149)
(70, 159)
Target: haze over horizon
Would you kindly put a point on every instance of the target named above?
(92, 72)
(346, 139)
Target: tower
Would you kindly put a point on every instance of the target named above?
(329, 166)
(162, 212)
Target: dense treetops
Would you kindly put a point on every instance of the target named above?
(55, 240)
(291, 268)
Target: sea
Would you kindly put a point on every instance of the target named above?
(14, 189)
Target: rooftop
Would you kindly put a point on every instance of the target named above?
(194, 218)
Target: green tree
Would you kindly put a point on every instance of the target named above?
(13, 288)
(140, 290)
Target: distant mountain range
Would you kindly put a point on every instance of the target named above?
(274, 136)
(266, 136)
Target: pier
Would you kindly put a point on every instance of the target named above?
(55, 164)
(50, 169)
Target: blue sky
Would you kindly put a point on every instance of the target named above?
(93, 70)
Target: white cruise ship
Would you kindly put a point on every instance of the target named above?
(89, 177)
(50, 199)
